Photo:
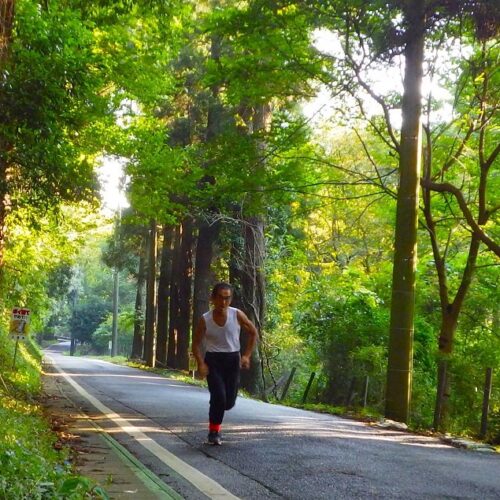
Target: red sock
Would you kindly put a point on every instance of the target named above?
(214, 427)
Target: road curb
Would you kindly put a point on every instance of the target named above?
(151, 480)
(468, 444)
(456, 442)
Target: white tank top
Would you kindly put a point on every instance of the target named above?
(222, 338)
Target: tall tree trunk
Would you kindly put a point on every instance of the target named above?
(252, 277)
(451, 309)
(208, 231)
(163, 295)
(450, 313)
(150, 333)
(7, 9)
(399, 371)
(215, 109)
(185, 294)
(235, 264)
(449, 322)
(203, 275)
(173, 326)
(138, 339)
(253, 295)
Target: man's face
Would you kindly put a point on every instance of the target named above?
(222, 299)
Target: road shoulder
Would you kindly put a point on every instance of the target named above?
(94, 453)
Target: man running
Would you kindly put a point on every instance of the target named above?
(220, 329)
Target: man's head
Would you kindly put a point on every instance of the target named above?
(222, 294)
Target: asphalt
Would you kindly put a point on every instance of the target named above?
(269, 451)
(94, 453)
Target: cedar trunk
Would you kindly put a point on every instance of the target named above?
(185, 295)
(253, 295)
(7, 8)
(252, 276)
(173, 326)
(207, 232)
(138, 340)
(163, 294)
(203, 275)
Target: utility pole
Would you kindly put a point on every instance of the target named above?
(116, 275)
(73, 295)
(114, 330)
(150, 333)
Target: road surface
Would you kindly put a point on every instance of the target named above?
(269, 451)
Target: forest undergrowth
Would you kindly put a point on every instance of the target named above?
(33, 464)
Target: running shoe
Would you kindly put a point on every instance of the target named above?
(214, 438)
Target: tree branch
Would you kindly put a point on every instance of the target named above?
(452, 158)
(493, 156)
(378, 100)
(446, 187)
(372, 161)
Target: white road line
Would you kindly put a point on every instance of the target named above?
(207, 486)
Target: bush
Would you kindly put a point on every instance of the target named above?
(30, 467)
(494, 426)
(346, 327)
(102, 335)
(86, 317)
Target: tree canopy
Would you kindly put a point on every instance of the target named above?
(315, 216)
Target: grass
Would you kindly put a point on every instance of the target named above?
(179, 375)
(30, 466)
(364, 414)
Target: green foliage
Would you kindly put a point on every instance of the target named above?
(102, 334)
(268, 47)
(28, 461)
(366, 414)
(346, 327)
(37, 260)
(80, 486)
(494, 424)
(126, 244)
(49, 94)
(30, 467)
(85, 319)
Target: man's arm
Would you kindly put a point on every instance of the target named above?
(199, 333)
(253, 335)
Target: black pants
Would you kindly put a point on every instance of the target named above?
(223, 381)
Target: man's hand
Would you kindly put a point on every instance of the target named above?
(245, 362)
(202, 369)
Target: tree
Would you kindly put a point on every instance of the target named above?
(49, 95)
(163, 295)
(459, 195)
(86, 317)
(399, 369)
(378, 37)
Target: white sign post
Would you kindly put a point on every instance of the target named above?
(19, 327)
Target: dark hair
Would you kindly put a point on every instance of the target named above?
(221, 286)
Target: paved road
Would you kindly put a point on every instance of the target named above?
(270, 451)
